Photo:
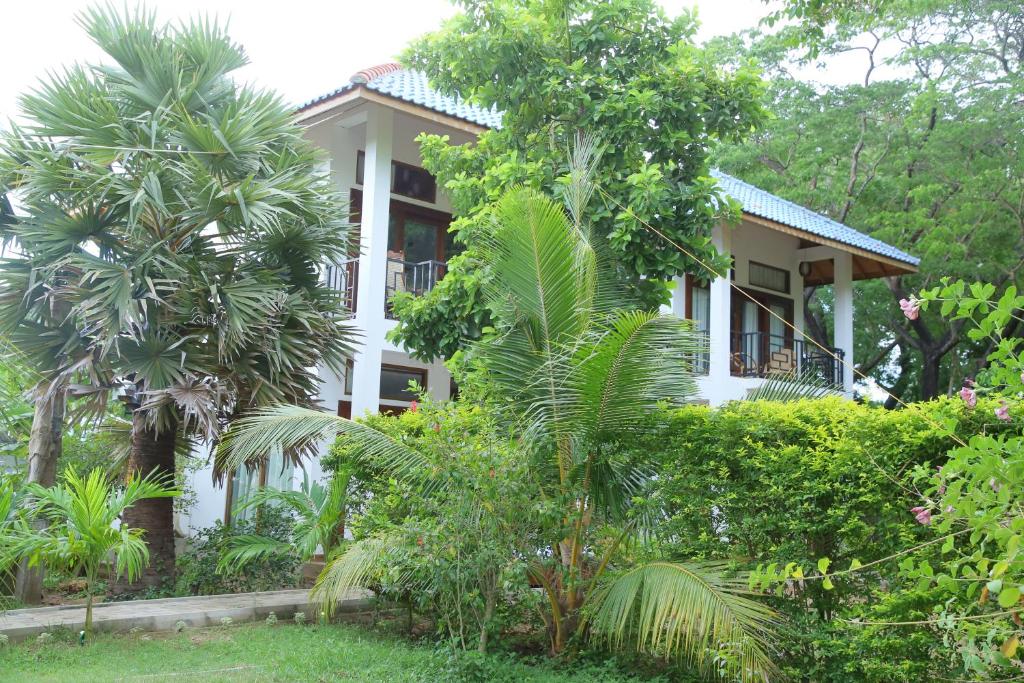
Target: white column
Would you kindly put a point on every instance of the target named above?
(373, 249)
(843, 321)
(719, 334)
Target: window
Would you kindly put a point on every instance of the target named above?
(768, 277)
(394, 382)
(406, 179)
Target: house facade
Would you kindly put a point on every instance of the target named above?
(369, 129)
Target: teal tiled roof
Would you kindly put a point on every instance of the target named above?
(757, 202)
(412, 86)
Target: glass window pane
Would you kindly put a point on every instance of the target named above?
(702, 308)
(394, 383)
(420, 241)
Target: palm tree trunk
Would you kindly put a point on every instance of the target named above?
(153, 454)
(44, 449)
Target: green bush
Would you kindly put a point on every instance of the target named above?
(761, 482)
(197, 567)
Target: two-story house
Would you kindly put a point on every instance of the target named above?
(368, 128)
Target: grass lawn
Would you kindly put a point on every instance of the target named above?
(254, 652)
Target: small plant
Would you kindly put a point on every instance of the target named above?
(271, 619)
(226, 621)
(4, 640)
(179, 626)
(300, 618)
(81, 535)
(44, 637)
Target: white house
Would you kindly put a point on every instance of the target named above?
(368, 128)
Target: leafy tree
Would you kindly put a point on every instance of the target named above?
(571, 365)
(84, 531)
(180, 220)
(922, 153)
(620, 70)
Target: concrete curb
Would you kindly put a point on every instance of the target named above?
(163, 614)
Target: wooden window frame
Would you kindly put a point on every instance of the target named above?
(402, 211)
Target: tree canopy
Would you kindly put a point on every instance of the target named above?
(622, 71)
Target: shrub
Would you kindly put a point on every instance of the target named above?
(197, 567)
(760, 482)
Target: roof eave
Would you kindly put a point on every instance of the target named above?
(316, 112)
(889, 266)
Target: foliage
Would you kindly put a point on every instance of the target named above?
(620, 70)
(173, 229)
(198, 565)
(765, 484)
(83, 534)
(455, 555)
(319, 523)
(918, 152)
(571, 366)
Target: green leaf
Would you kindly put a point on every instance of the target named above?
(1009, 596)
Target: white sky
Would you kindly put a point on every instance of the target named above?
(301, 48)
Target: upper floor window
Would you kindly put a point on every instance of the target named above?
(406, 179)
(768, 277)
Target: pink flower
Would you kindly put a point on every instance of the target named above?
(1003, 412)
(414, 406)
(911, 308)
(949, 508)
(922, 515)
(969, 397)
(994, 485)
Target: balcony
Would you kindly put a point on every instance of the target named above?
(757, 354)
(342, 278)
(416, 278)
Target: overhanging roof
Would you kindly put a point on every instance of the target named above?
(410, 90)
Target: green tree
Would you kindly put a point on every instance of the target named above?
(571, 365)
(83, 533)
(182, 220)
(620, 70)
(923, 152)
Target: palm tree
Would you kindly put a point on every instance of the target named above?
(181, 219)
(319, 513)
(575, 367)
(86, 528)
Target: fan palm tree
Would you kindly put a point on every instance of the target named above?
(180, 219)
(319, 513)
(86, 528)
(575, 366)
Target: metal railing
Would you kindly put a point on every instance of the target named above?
(699, 361)
(758, 354)
(414, 277)
(342, 277)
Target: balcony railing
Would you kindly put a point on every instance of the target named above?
(757, 354)
(414, 277)
(402, 276)
(342, 277)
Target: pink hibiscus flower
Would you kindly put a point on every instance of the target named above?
(911, 308)
(922, 515)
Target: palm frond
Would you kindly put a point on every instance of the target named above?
(685, 611)
(791, 386)
(248, 548)
(355, 567)
(294, 429)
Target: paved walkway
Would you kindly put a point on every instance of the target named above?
(162, 615)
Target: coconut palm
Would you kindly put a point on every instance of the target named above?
(575, 367)
(86, 528)
(319, 513)
(181, 220)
